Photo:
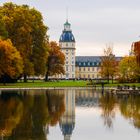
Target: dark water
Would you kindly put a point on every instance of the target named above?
(68, 115)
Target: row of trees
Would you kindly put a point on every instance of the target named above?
(125, 69)
(25, 49)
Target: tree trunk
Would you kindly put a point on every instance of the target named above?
(4, 80)
(25, 78)
(46, 76)
(112, 79)
(108, 80)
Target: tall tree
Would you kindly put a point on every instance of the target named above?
(3, 32)
(27, 32)
(128, 69)
(55, 60)
(108, 64)
(11, 63)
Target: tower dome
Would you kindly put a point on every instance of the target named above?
(67, 35)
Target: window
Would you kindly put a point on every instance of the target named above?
(92, 68)
(72, 68)
(67, 62)
(88, 76)
(72, 75)
(84, 69)
(66, 44)
(88, 69)
(93, 76)
(79, 69)
(67, 68)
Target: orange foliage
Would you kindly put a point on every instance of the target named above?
(10, 60)
(56, 60)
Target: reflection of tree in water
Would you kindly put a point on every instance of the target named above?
(56, 106)
(107, 104)
(130, 109)
(29, 115)
(10, 113)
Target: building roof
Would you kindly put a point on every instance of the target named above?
(67, 36)
(90, 61)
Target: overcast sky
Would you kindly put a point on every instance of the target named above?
(95, 23)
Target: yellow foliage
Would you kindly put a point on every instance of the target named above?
(10, 60)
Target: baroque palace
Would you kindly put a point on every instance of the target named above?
(76, 66)
(79, 67)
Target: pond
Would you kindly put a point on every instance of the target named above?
(69, 114)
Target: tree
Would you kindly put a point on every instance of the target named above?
(108, 64)
(27, 32)
(11, 63)
(128, 69)
(55, 60)
(3, 32)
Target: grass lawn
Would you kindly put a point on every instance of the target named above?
(65, 83)
(46, 84)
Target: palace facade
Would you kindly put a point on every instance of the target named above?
(79, 67)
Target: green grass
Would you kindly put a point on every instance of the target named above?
(46, 84)
(65, 83)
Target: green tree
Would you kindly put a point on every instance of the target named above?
(27, 32)
(3, 32)
(108, 64)
(128, 69)
(55, 60)
(11, 63)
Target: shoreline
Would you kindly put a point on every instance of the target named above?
(56, 88)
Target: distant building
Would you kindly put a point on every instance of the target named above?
(67, 44)
(88, 67)
(80, 67)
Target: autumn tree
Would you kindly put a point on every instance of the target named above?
(11, 63)
(3, 32)
(108, 64)
(55, 60)
(27, 32)
(128, 69)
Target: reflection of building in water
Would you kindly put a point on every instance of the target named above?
(67, 122)
(87, 98)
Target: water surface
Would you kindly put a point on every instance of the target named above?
(70, 114)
